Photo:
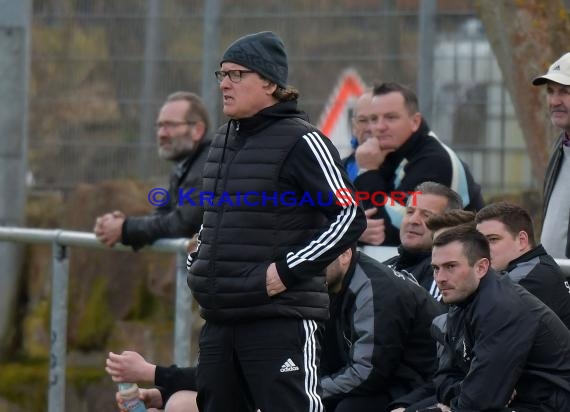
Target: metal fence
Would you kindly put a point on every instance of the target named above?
(61, 240)
(101, 68)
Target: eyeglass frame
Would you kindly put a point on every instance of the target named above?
(221, 74)
(170, 125)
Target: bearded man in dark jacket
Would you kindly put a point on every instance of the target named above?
(182, 137)
(272, 226)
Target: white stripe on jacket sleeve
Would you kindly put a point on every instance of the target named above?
(339, 227)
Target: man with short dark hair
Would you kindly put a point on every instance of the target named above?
(505, 346)
(414, 254)
(509, 230)
(412, 154)
(258, 273)
(556, 227)
(451, 218)
(182, 137)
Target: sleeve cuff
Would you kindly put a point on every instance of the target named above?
(288, 277)
(125, 238)
(326, 383)
(159, 375)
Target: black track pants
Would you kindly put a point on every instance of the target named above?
(269, 364)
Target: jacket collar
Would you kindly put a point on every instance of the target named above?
(349, 274)
(486, 280)
(531, 254)
(183, 165)
(409, 257)
(411, 146)
(267, 116)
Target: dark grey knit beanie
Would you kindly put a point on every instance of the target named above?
(263, 53)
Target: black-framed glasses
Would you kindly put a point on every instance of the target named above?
(171, 125)
(234, 75)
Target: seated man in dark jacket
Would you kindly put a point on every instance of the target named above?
(412, 154)
(424, 396)
(377, 344)
(181, 133)
(510, 233)
(414, 254)
(511, 349)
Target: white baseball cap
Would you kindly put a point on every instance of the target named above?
(559, 72)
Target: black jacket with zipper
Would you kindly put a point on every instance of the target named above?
(503, 338)
(423, 157)
(178, 217)
(377, 339)
(272, 178)
(538, 273)
(416, 263)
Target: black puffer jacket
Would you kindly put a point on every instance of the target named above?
(261, 172)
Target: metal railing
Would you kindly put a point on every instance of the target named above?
(382, 253)
(61, 240)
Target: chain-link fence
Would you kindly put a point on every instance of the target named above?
(101, 68)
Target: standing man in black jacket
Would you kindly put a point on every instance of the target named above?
(273, 225)
(411, 154)
(514, 350)
(182, 137)
(556, 227)
(377, 343)
(510, 233)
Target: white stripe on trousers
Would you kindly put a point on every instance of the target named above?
(311, 378)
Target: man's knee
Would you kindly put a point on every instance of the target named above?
(182, 401)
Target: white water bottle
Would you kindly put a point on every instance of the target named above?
(129, 394)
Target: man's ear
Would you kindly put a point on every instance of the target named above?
(416, 121)
(523, 240)
(481, 267)
(198, 131)
(269, 87)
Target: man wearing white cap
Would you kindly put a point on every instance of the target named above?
(556, 189)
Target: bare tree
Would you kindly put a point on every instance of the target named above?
(526, 36)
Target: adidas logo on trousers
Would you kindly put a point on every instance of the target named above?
(289, 366)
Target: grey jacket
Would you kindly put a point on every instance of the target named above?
(378, 337)
(552, 171)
